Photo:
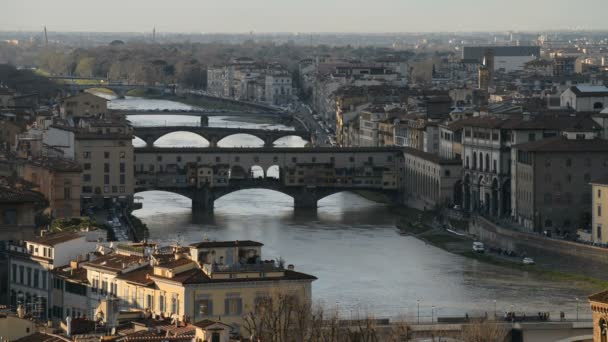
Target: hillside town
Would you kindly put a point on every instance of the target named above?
(504, 144)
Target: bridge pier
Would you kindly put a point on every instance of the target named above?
(305, 199)
(204, 121)
(202, 205)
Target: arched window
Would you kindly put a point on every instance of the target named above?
(474, 160)
(487, 162)
(598, 105)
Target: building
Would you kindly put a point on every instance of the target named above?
(30, 265)
(564, 66)
(450, 140)
(83, 105)
(14, 328)
(59, 180)
(104, 150)
(18, 209)
(507, 58)
(552, 177)
(430, 181)
(599, 211)
(278, 88)
(583, 98)
(599, 308)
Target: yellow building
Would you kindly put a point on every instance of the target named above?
(599, 307)
(83, 105)
(204, 281)
(13, 328)
(599, 216)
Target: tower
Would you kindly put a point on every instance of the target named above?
(154, 34)
(46, 37)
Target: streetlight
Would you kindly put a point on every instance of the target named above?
(577, 301)
(418, 304)
(432, 314)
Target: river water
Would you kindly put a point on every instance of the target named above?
(351, 244)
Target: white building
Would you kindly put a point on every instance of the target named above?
(30, 264)
(278, 89)
(585, 98)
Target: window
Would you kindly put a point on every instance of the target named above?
(29, 277)
(87, 189)
(67, 194)
(106, 179)
(86, 155)
(568, 162)
(531, 136)
(218, 159)
(87, 166)
(159, 158)
(36, 278)
(204, 307)
(178, 159)
(599, 193)
(161, 303)
(106, 154)
(122, 167)
(233, 306)
(174, 305)
(122, 179)
(9, 216)
(599, 210)
(548, 198)
(587, 177)
(569, 178)
(14, 273)
(114, 188)
(21, 274)
(106, 167)
(599, 231)
(86, 177)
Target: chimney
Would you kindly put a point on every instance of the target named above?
(74, 264)
(178, 256)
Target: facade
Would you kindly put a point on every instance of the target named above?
(508, 58)
(585, 98)
(450, 141)
(83, 105)
(59, 180)
(552, 182)
(278, 89)
(599, 308)
(430, 181)
(31, 263)
(599, 211)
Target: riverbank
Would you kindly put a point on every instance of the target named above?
(421, 225)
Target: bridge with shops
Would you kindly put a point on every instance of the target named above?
(305, 174)
(214, 134)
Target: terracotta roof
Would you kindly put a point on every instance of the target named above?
(600, 181)
(172, 263)
(77, 275)
(13, 195)
(115, 262)
(219, 244)
(207, 323)
(153, 336)
(197, 276)
(430, 156)
(601, 297)
(138, 276)
(53, 239)
(561, 144)
(40, 337)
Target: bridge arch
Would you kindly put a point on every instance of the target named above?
(273, 171)
(256, 171)
(237, 172)
(247, 140)
(181, 139)
(290, 140)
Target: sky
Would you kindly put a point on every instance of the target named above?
(238, 16)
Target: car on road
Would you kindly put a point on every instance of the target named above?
(527, 261)
(478, 247)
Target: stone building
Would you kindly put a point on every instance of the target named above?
(430, 181)
(584, 98)
(83, 105)
(552, 179)
(599, 211)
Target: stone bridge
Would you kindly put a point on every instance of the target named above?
(305, 174)
(215, 134)
(121, 89)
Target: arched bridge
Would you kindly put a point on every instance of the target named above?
(121, 89)
(215, 134)
(305, 174)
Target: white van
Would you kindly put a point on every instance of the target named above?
(478, 247)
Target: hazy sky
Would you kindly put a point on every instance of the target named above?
(302, 15)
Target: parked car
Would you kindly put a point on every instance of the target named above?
(478, 247)
(527, 261)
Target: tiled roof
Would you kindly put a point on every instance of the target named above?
(197, 276)
(219, 244)
(561, 144)
(138, 276)
(13, 195)
(114, 262)
(67, 272)
(53, 239)
(601, 297)
(172, 263)
(40, 337)
(207, 323)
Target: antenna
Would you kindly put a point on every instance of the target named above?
(46, 37)
(154, 34)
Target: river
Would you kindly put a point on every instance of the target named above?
(351, 244)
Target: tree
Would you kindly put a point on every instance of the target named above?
(85, 67)
(483, 331)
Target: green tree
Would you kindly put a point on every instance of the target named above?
(85, 67)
